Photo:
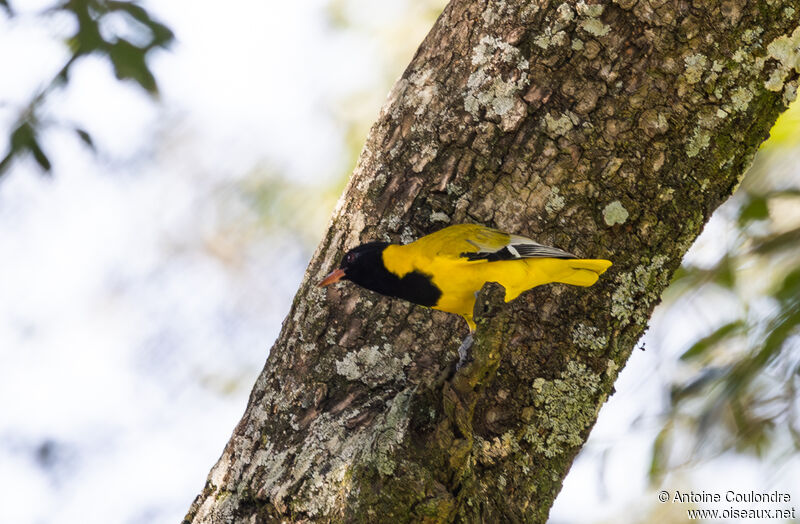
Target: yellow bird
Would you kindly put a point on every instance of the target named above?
(446, 269)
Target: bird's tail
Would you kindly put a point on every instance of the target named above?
(582, 272)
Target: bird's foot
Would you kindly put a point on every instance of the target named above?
(463, 352)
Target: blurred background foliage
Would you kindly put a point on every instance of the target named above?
(728, 386)
(736, 387)
(122, 32)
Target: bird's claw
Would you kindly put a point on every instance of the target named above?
(463, 351)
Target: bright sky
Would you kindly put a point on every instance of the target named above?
(131, 331)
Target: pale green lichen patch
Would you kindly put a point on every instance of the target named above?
(393, 222)
(424, 157)
(591, 22)
(321, 471)
(496, 9)
(589, 10)
(423, 91)
(698, 141)
(782, 57)
(636, 290)
(407, 235)
(615, 213)
(316, 490)
(590, 14)
(273, 468)
(555, 203)
(595, 27)
(786, 51)
(279, 478)
(357, 224)
(557, 126)
(790, 93)
(695, 66)
(707, 118)
(751, 35)
(589, 337)
(611, 369)
(741, 97)
(373, 366)
(490, 451)
(495, 92)
(390, 432)
(549, 38)
(776, 79)
(564, 408)
(438, 216)
(565, 13)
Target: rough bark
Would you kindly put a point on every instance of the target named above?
(611, 130)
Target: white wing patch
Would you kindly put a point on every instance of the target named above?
(516, 248)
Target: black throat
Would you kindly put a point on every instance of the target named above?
(368, 271)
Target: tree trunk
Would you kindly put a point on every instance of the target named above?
(610, 130)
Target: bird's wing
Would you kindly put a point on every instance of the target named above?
(479, 243)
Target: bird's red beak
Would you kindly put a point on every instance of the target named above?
(335, 276)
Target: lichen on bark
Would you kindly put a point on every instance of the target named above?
(610, 129)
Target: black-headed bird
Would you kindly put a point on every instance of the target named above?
(446, 269)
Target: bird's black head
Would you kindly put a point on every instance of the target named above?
(362, 265)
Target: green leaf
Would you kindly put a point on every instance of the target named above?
(40, 157)
(781, 329)
(22, 136)
(755, 209)
(752, 431)
(136, 11)
(698, 383)
(129, 62)
(659, 460)
(681, 272)
(790, 192)
(720, 334)
(6, 163)
(724, 273)
(87, 39)
(23, 140)
(788, 239)
(162, 35)
(86, 138)
(789, 290)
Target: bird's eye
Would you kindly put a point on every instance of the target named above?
(349, 258)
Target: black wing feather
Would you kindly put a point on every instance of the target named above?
(537, 250)
(518, 251)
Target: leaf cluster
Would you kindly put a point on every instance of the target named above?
(123, 32)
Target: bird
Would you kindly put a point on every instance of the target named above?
(446, 269)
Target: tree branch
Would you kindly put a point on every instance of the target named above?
(611, 130)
